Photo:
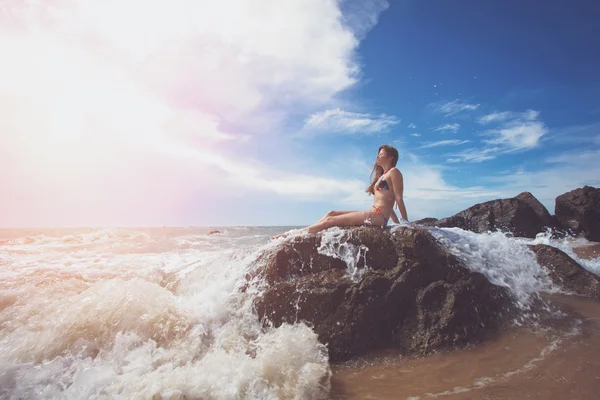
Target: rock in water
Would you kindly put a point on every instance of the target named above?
(426, 221)
(514, 215)
(547, 220)
(412, 294)
(579, 210)
(566, 272)
(522, 215)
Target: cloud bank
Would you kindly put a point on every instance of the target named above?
(108, 101)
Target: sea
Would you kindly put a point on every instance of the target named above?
(158, 313)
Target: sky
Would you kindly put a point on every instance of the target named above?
(268, 112)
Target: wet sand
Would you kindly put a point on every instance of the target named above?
(558, 360)
(589, 251)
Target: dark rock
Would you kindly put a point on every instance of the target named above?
(523, 216)
(566, 272)
(548, 221)
(426, 221)
(213, 232)
(414, 295)
(579, 211)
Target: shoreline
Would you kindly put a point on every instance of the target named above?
(557, 361)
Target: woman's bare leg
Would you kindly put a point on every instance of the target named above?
(354, 218)
(333, 214)
(341, 219)
(328, 215)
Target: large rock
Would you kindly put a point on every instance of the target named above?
(566, 272)
(547, 220)
(579, 210)
(522, 215)
(429, 221)
(412, 295)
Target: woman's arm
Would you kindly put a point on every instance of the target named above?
(398, 184)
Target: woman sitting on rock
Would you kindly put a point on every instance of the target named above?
(386, 186)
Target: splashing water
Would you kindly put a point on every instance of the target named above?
(139, 313)
(567, 244)
(82, 317)
(503, 260)
(333, 245)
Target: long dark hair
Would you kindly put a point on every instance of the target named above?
(378, 170)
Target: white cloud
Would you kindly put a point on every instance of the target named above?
(361, 16)
(340, 121)
(412, 126)
(493, 117)
(529, 115)
(474, 155)
(195, 127)
(259, 176)
(516, 132)
(448, 128)
(415, 134)
(126, 83)
(454, 107)
(518, 135)
(444, 143)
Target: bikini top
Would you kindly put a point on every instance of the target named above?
(382, 184)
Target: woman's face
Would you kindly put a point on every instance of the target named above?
(381, 156)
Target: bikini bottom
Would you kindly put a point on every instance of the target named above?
(377, 211)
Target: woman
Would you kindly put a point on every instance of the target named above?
(386, 186)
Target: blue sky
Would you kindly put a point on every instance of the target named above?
(483, 101)
(249, 114)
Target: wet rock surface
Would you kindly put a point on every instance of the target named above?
(566, 272)
(547, 220)
(407, 292)
(523, 216)
(579, 211)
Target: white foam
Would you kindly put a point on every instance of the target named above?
(567, 245)
(106, 325)
(134, 313)
(333, 245)
(503, 260)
